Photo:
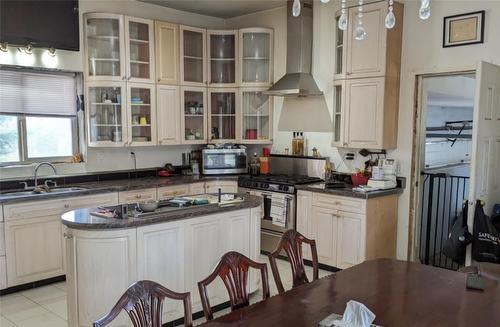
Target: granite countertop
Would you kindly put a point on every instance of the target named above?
(348, 191)
(82, 219)
(118, 185)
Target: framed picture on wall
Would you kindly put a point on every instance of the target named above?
(463, 29)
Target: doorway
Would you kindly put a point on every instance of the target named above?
(444, 151)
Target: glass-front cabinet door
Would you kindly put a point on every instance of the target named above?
(141, 114)
(340, 50)
(256, 116)
(194, 115)
(222, 114)
(105, 47)
(106, 114)
(139, 35)
(256, 56)
(193, 56)
(338, 110)
(222, 58)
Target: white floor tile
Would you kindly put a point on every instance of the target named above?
(44, 293)
(57, 306)
(44, 320)
(17, 308)
(61, 286)
(5, 323)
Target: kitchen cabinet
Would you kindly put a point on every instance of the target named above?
(256, 47)
(167, 53)
(348, 230)
(194, 115)
(141, 114)
(119, 48)
(222, 122)
(196, 188)
(222, 58)
(139, 36)
(106, 114)
(225, 186)
(118, 246)
(256, 116)
(3, 273)
(366, 80)
(193, 56)
(135, 196)
(168, 112)
(168, 192)
(2, 239)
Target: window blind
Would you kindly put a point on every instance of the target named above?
(23, 92)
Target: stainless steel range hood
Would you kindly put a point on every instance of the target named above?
(298, 80)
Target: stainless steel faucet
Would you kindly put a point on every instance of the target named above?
(40, 165)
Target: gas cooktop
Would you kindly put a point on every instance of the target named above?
(276, 182)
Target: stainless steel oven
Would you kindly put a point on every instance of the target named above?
(224, 161)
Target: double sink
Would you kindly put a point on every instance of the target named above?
(51, 190)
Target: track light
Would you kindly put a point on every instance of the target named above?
(3, 47)
(28, 49)
(51, 52)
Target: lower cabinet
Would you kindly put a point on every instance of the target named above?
(196, 188)
(3, 273)
(225, 186)
(167, 192)
(347, 231)
(137, 195)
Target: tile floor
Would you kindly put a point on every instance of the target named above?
(46, 306)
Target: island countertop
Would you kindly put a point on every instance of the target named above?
(348, 191)
(82, 218)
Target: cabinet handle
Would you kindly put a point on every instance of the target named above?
(337, 203)
(138, 196)
(159, 79)
(68, 236)
(123, 78)
(66, 205)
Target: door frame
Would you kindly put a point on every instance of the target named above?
(418, 143)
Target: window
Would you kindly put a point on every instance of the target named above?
(37, 116)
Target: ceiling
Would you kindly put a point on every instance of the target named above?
(219, 8)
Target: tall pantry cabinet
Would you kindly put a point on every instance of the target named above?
(366, 80)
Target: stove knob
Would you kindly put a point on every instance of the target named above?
(285, 188)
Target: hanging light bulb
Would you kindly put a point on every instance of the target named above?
(3, 47)
(296, 8)
(343, 17)
(390, 19)
(51, 52)
(325, 1)
(425, 9)
(360, 32)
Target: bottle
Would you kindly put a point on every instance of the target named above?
(295, 144)
(255, 165)
(264, 165)
(299, 144)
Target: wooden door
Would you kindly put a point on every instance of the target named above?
(364, 113)
(255, 116)
(160, 255)
(193, 53)
(141, 114)
(340, 50)
(34, 249)
(223, 125)
(256, 47)
(139, 43)
(350, 239)
(238, 232)
(167, 53)
(339, 103)
(324, 231)
(485, 161)
(304, 217)
(366, 58)
(194, 115)
(168, 113)
(222, 53)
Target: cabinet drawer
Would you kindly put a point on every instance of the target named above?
(225, 186)
(168, 192)
(339, 203)
(34, 209)
(197, 188)
(105, 199)
(1, 213)
(2, 239)
(3, 273)
(137, 195)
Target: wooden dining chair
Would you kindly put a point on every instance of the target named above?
(233, 270)
(291, 242)
(143, 302)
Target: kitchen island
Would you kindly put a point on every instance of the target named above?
(175, 247)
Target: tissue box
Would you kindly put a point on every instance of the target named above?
(328, 321)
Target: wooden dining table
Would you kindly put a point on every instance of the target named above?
(399, 293)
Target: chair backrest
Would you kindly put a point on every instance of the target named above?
(143, 301)
(291, 242)
(233, 270)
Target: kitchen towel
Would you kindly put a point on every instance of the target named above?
(279, 209)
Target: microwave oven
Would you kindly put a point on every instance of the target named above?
(224, 161)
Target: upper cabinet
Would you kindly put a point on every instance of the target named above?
(222, 58)
(366, 80)
(119, 48)
(105, 47)
(256, 56)
(222, 122)
(193, 56)
(167, 53)
(168, 114)
(194, 115)
(139, 36)
(141, 114)
(256, 116)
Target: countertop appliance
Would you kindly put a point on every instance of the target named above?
(224, 161)
(388, 169)
(278, 191)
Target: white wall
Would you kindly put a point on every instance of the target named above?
(422, 53)
(109, 159)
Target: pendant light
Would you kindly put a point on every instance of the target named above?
(390, 19)
(296, 8)
(343, 16)
(425, 9)
(360, 32)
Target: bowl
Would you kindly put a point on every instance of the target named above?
(147, 206)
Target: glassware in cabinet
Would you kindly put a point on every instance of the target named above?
(140, 50)
(106, 114)
(194, 115)
(256, 56)
(141, 114)
(222, 58)
(193, 56)
(104, 47)
(222, 114)
(340, 50)
(338, 113)
(256, 116)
